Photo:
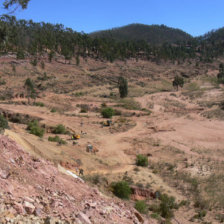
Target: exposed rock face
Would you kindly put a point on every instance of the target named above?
(141, 193)
(34, 191)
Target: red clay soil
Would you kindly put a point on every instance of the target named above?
(34, 191)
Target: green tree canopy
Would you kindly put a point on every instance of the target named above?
(15, 3)
(123, 86)
(178, 81)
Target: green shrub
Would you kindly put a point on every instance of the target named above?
(33, 62)
(107, 112)
(53, 110)
(142, 160)
(2, 82)
(84, 108)
(3, 122)
(166, 206)
(155, 216)
(141, 206)
(35, 128)
(121, 189)
(38, 104)
(60, 129)
(42, 65)
(20, 54)
(57, 139)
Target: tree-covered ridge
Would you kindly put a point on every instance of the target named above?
(152, 34)
(35, 39)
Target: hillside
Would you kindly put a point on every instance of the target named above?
(51, 197)
(155, 120)
(153, 34)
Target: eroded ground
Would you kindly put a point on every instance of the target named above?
(181, 132)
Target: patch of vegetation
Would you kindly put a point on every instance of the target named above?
(155, 216)
(3, 123)
(35, 129)
(193, 86)
(142, 160)
(216, 113)
(20, 54)
(141, 207)
(38, 104)
(34, 62)
(96, 179)
(220, 75)
(53, 110)
(60, 129)
(57, 139)
(44, 77)
(121, 189)
(107, 112)
(84, 108)
(2, 82)
(129, 104)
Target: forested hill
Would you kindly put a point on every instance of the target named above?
(153, 34)
(30, 39)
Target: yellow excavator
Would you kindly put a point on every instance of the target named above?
(75, 136)
(107, 123)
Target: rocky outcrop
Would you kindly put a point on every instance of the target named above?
(141, 193)
(34, 191)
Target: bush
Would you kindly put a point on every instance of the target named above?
(60, 129)
(84, 108)
(166, 206)
(121, 189)
(107, 112)
(20, 54)
(33, 62)
(38, 104)
(141, 207)
(53, 110)
(3, 122)
(142, 160)
(35, 129)
(57, 139)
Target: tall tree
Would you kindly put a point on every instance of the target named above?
(123, 86)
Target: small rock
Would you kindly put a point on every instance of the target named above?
(28, 199)
(84, 218)
(139, 217)
(29, 207)
(4, 174)
(38, 212)
(19, 208)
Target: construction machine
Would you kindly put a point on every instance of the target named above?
(107, 123)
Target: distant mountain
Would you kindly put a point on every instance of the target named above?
(153, 34)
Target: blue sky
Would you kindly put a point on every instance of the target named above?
(193, 16)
